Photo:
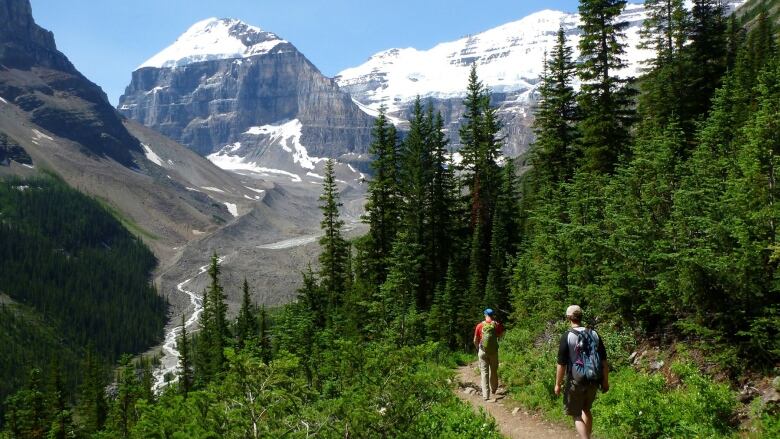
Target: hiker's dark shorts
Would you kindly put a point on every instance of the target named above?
(578, 397)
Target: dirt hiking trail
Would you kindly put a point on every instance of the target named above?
(513, 422)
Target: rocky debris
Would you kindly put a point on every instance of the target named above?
(747, 393)
(515, 411)
(655, 366)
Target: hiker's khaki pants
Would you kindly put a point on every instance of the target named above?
(488, 368)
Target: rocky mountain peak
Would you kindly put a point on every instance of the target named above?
(215, 39)
(18, 24)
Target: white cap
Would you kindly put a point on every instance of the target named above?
(574, 311)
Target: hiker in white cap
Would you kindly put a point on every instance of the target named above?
(583, 359)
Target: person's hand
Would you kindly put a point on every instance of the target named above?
(605, 388)
(557, 389)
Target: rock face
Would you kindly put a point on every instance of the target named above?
(224, 82)
(509, 60)
(40, 80)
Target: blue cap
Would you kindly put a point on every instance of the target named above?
(489, 312)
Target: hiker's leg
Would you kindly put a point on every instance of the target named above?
(582, 429)
(587, 418)
(484, 370)
(494, 373)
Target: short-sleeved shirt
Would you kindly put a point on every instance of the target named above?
(567, 349)
(478, 330)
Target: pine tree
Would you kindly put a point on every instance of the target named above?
(382, 206)
(186, 373)
(416, 182)
(26, 412)
(442, 202)
(333, 259)
(605, 99)
(398, 294)
(706, 54)
(92, 405)
(213, 322)
(263, 335)
(246, 325)
(123, 414)
(665, 32)
(503, 241)
(553, 154)
(480, 149)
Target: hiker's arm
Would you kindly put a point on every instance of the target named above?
(560, 370)
(476, 338)
(604, 366)
(563, 361)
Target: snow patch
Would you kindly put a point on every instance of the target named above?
(312, 174)
(28, 166)
(259, 191)
(151, 156)
(213, 189)
(288, 135)
(232, 208)
(37, 135)
(3, 100)
(237, 163)
(215, 39)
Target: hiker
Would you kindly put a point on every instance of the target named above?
(582, 357)
(486, 336)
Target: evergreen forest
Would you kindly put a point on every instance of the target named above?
(649, 201)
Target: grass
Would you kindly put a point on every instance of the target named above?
(681, 403)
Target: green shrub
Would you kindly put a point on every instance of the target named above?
(641, 405)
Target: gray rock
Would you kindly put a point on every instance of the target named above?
(210, 104)
(656, 365)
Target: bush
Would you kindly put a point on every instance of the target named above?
(638, 404)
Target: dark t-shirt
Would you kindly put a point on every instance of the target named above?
(566, 348)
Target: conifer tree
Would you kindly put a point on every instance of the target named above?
(416, 182)
(398, 294)
(554, 124)
(246, 325)
(92, 405)
(26, 412)
(503, 241)
(604, 100)
(186, 373)
(213, 322)
(333, 259)
(706, 54)
(442, 202)
(123, 414)
(382, 205)
(263, 335)
(665, 32)
(480, 149)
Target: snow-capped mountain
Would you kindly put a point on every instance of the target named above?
(213, 39)
(509, 60)
(249, 101)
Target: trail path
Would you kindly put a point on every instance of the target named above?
(513, 422)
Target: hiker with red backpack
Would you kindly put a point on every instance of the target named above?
(486, 336)
(583, 359)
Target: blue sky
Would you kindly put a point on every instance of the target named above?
(108, 39)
